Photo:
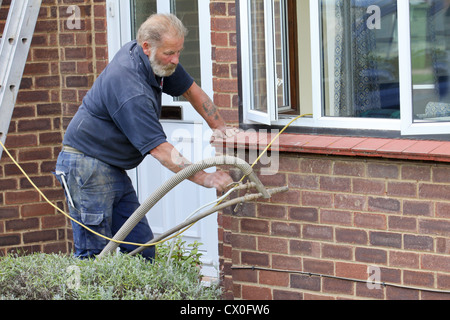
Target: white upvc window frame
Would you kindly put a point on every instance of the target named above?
(118, 25)
(251, 114)
(406, 125)
(409, 127)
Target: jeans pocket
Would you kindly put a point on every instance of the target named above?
(87, 240)
(92, 219)
(86, 173)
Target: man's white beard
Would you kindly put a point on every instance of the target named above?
(159, 69)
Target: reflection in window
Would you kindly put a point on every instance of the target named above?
(187, 12)
(360, 58)
(258, 57)
(430, 45)
(273, 44)
(140, 11)
(281, 55)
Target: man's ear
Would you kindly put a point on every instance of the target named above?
(146, 47)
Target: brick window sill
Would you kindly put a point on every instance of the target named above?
(422, 150)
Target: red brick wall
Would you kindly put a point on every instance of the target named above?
(224, 54)
(61, 67)
(341, 216)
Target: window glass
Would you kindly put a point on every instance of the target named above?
(281, 54)
(430, 45)
(341, 59)
(360, 58)
(187, 12)
(258, 55)
(140, 11)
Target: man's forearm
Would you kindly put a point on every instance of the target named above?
(173, 160)
(169, 157)
(203, 104)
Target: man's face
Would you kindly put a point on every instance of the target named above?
(164, 59)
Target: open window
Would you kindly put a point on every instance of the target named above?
(269, 59)
(361, 64)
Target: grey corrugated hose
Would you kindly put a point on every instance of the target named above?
(208, 212)
(173, 182)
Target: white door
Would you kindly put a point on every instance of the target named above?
(185, 198)
(189, 134)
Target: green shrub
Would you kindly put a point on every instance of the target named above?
(179, 253)
(117, 276)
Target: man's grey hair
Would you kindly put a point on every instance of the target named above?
(159, 25)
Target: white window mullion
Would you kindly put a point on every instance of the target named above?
(316, 54)
(163, 6)
(245, 59)
(206, 46)
(405, 68)
(119, 25)
(272, 108)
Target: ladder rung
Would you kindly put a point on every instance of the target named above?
(14, 48)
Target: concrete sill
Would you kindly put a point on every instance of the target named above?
(421, 150)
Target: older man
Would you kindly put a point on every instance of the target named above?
(117, 125)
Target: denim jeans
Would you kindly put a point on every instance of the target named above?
(103, 198)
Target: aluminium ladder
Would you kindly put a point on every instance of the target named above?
(14, 48)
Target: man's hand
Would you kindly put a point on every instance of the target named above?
(219, 180)
(223, 133)
(205, 107)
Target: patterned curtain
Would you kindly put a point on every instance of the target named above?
(356, 78)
